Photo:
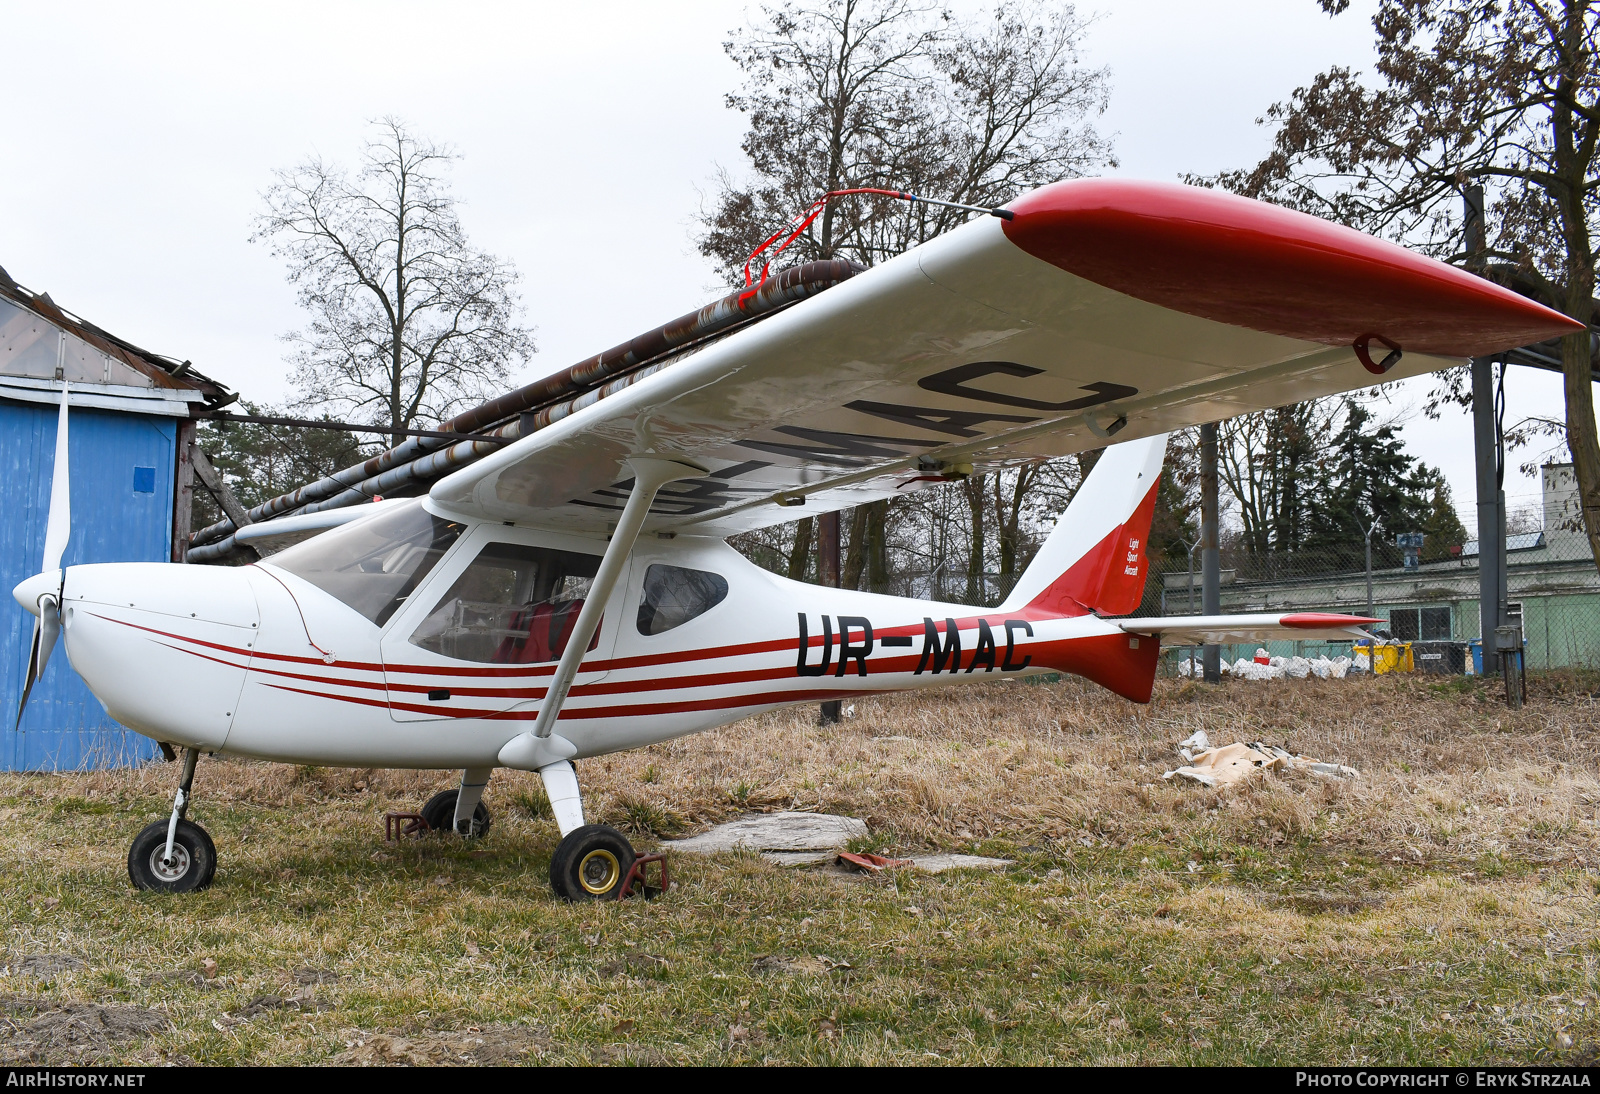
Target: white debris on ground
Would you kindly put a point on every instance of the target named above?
(808, 839)
(1234, 763)
(1264, 667)
(1194, 744)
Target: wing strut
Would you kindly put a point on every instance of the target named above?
(650, 475)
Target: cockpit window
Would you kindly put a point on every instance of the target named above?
(514, 605)
(674, 595)
(373, 564)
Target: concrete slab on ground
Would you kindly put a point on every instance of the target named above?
(788, 832)
(938, 864)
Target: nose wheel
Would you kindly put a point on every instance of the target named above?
(190, 866)
(174, 855)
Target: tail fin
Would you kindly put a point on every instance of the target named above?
(1094, 560)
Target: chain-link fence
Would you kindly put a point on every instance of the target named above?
(1553, 591)
(1430, 602)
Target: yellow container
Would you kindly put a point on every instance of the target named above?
(1396, 658)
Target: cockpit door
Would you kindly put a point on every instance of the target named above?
(484, 633)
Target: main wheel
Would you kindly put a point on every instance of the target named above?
(192, 866)
(591, 863)
(440, 813)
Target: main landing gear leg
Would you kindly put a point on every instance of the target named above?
(473, 782)
(592, 860)
(174, 855)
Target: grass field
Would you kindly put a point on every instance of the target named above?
(1441, 908)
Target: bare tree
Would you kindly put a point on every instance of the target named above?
(827, 88)
(885, 93)
(1271, 462)
(892, 94)
(1499, 93)
(408, 320)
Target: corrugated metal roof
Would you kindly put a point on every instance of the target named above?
(1525, 541)
(135, 367)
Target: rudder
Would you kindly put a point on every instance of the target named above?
(1095, 558)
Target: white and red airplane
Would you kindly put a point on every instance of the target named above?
(572, 594)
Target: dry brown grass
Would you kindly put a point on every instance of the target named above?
(1440, 907)
(1444, 773)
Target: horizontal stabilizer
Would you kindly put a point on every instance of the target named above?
(1200, 630)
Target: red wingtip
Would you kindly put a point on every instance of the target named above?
(1250, 264)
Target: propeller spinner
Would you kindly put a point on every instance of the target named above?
(46, 605)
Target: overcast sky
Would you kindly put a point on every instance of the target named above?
(143, 135)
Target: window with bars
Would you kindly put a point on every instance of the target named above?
(1420, 624)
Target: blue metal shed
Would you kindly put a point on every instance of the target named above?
(128, 435)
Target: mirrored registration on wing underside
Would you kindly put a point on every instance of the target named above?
(943, 410)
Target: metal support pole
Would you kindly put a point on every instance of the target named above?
(1210, 564)
(1367, 532)
(1489, 457)
(828, 574)
(1189, 547)
(1491, 516)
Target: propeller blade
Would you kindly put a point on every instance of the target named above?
(58, 525)
(46, 629)
(57, 531)
(49, 627)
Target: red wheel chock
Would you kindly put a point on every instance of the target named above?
(396, 825)
(636, 875)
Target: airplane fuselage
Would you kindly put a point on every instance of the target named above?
(258, 661)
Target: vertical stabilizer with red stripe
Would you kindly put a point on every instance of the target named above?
(1095, 560)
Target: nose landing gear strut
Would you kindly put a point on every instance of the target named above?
(174, 855)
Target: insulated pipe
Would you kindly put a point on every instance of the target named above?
(794, 284)
(437, 464)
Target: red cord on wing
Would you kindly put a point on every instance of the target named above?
(811, 213)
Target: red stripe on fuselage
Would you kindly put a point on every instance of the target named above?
(1113, 665)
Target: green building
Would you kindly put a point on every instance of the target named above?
(1552, 587)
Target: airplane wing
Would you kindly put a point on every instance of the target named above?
(1199, 630)
(1102, 308)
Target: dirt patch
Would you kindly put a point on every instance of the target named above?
(44, 966)
(490, 1046)
(306, 974)
(43, 1031)
(1322, 902)
(301, 1000)
(647, 965)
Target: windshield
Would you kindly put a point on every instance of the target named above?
(374, 564)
